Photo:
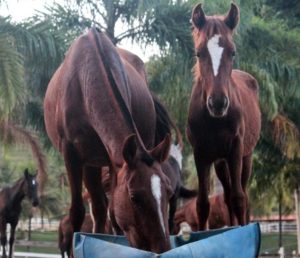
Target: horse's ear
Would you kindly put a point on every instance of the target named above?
(26, 173)
(233, 17)
(198, 16)
(161, 152)
(129, 149)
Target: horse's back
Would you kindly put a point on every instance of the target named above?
(248, 95)
(79, 99)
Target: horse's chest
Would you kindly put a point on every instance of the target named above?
(213, 140)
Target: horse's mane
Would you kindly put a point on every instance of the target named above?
(164, 123)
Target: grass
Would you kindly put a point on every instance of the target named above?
(47, 236)
(269, 242)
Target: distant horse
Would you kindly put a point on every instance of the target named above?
(99, 112)
(10, 206)
(224, 117)
(65, 233)
(218, 216)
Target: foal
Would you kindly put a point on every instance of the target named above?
(10, 206)
(224, 117)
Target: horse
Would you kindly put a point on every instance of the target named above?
(218, 216)
(10, 206)
(224, 119)
(65, 233)
(172, 168)
(99, 112)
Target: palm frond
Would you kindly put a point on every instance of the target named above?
(15, 134)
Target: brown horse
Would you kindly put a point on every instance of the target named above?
(224, 116)
(65, 233)
(218, 215)
(99, 112)
(10, 206)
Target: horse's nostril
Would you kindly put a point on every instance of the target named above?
(210, 102)
(226, 102)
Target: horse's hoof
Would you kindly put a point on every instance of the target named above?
(185, 231)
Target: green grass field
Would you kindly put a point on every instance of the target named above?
(269, 242)
(47, 236)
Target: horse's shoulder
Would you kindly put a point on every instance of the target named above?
(247, 78)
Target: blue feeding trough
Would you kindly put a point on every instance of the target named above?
(237, 242)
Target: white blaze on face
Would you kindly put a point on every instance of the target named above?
(156, 191)
(33, 182)
(215, 51)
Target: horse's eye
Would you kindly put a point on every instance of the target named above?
(200, 53)
(136, 198)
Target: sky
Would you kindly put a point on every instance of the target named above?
(22, 9)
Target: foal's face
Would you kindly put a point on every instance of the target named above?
(31, 188)
(141, 202)
(215, 51)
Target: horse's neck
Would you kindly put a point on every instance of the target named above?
(109, 107)
(18, 192)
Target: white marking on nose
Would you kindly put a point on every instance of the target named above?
(156, 191)
(176, 153)
(33, 182)
(215, 51)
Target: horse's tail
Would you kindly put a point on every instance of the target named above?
(187, 193)
(23, 136)
(164, 123)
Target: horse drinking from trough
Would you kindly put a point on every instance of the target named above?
(224, 116)
(10, 206)
(99, 112)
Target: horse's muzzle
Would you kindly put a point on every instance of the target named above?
(217, 106)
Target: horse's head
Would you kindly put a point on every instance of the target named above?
(31, 188)
(215, 52)
(141, 196)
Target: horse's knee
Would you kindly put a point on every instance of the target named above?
(77, 214)
(239, 205)
(11, 241)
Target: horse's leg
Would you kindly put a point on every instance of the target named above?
(172, 210)
(246, 173)
(202, 200)
(74, 170)
(222, 172)
(12, 239)
(92, 181)
(3, 237)
(238, 200)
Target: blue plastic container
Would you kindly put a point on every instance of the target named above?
(238, 242)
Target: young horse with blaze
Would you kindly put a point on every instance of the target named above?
(224, 117)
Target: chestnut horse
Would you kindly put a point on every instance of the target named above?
(224, 117)
(99, 112)
(10, 206)
(218, 215)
